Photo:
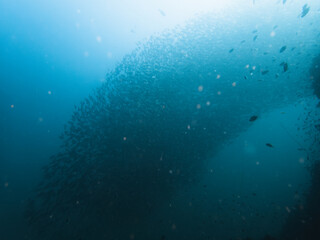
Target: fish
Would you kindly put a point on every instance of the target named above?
(269, 145)
(253, 118)
(162, 12)
(255, 37)
(264, 72)
(305, 10)
(231, 50)
(283, 49)
(302, 149)
(255, 31)
(285, 66)
(243, 41)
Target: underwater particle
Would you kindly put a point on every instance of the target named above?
(200, 88)
(305, 10)
(272, 34)
(99, 39)
(131, 236)
(219, 93)
(188, 127)
(288, 209)
(253, 118)
(301, 160)
(78, 11)
(269, 145)
(49, 92)
(208, 103)
(254, 67)
(78, 25)
(198, 106)
(6, 184)
(282, 49)
(174, 227)
(170, 171)
(289, 185)
(109, 54)
(86, 54)
(257, 163)
(124, 138)
(12, 106)
(218, 76)
(247, 66)
(234, 84)
(40, 119)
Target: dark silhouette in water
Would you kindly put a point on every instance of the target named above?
(304, 221)
(147, 133)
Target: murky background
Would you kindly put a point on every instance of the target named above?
(159, 119)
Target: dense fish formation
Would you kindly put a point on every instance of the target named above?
(149, 129)
(304, 222)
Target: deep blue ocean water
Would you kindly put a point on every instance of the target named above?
(160, 119)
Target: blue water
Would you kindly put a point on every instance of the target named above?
(159, 120)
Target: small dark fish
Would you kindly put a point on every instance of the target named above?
(162, 12)
(269, 145)
(253, 118)
(265, 53)
(231, 50)
(293, 48)
(302, 149)
(255, 37)
(255, 31)
(245, 77)
(305, 10)
(283, 49)
(243, 41)
(264, 72)
(285, 67)
(275, 27)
